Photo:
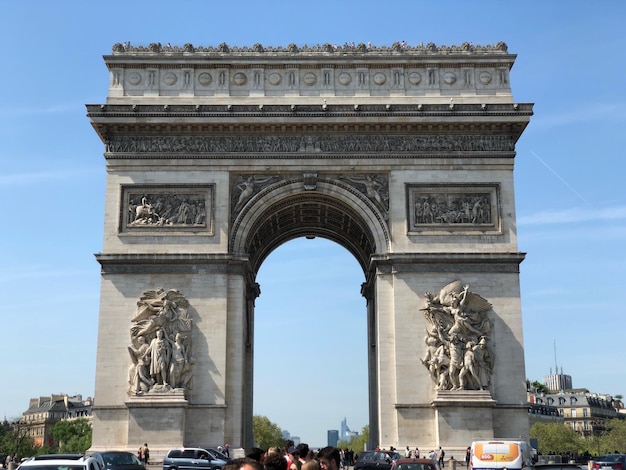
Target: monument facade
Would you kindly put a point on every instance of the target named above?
(215, 156)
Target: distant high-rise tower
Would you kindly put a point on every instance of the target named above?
(557, 382)
(345, 430)
(333, 437)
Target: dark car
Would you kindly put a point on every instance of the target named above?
(557, 466)
(118, 460)
(188, 458)
(413, 464)
(610, 462)
(375, 460)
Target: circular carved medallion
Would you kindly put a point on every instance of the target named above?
(240, 79)
(205, 79)
(170, 78)
(134, 78)
(274, 79)
(415, 78)
(485, 78)
(309, 78)
(344, 78)
(380, 78)
(449, 78)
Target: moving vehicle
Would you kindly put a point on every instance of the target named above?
(413, 464)
(188, 458)
(118, 460)
(60, 462)
(376, 460)
(501, 454)
(610, 462)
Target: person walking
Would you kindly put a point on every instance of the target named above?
(468, 456)
(441, 453)
(145, 453)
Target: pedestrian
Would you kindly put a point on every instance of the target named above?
(145, 453)
(468, 456)
(442, 454)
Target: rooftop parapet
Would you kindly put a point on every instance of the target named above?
(302, 74)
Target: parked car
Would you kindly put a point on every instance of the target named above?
(188, 458)
(413, 464)
(118, 460)
(375, 460)
(610, 462)
(557, 466)
(60, 462)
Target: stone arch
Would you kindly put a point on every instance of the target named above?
(287, 210)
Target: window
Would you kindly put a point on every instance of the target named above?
(573, 411)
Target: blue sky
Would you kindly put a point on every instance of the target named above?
(569, 180)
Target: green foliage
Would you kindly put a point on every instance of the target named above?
(357, 443)
(266, 434)
(614, 439)
(556, 438)
(539, 387)
(72, 436)
(14, 440)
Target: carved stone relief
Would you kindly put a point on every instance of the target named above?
(458, 356)
(160, 348)
(245, 187)
(461, 207)
(294, 144)
(375, 187)
(166, 208)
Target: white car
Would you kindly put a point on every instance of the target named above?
(60, 462)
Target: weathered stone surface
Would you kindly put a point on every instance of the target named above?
(215, 156)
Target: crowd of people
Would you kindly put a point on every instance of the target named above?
(299, 457)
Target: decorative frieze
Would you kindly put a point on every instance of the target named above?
(315, 144)
(159, 209)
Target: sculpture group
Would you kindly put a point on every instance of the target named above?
(160, 344)
(457, 355)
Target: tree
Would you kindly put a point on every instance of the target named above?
(614, 439)
(266, 434)
(14, 439)
(556, 438)
(539, 387)
(72, 436)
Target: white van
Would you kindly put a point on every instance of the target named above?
(501, 454)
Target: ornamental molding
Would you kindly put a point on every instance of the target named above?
(271, 145)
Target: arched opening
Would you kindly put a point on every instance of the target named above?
(285, 213)
(310, 364)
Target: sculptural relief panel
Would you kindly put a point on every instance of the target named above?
(157, 209)
(458, 354)
(453, 208)
(160, 349)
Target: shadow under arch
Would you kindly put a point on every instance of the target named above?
(286, 210)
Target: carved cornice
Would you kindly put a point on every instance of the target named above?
(183, 263)
(446, 262)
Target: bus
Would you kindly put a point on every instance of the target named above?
(501, 454)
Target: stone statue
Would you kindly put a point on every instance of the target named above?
(160, 344)
(457, 355)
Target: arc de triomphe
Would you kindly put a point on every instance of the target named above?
(215, 156)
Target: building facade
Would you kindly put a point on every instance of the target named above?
(44, 412)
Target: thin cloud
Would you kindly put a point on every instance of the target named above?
(25, 179)
(589, 112)
(573, 215)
